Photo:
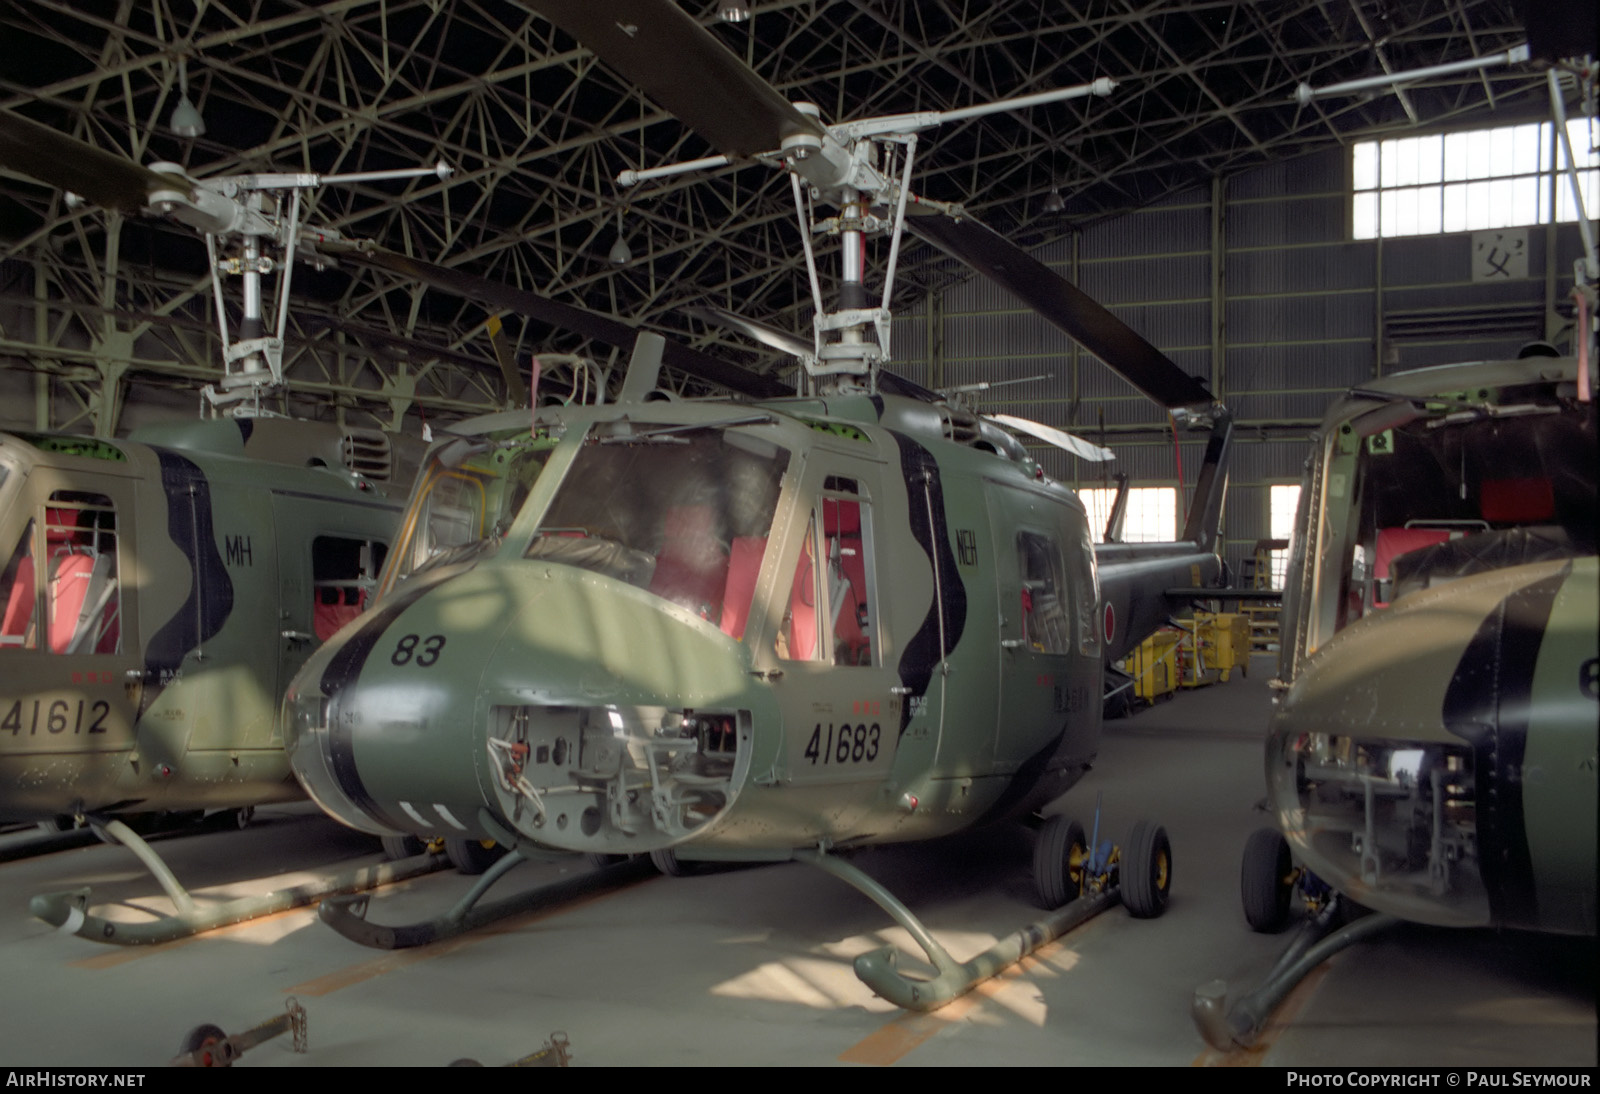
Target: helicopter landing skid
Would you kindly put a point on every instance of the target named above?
(69, 910)
(347, 914)
(1226, 1029)
(877, 968)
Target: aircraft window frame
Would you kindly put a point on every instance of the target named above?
(683, 511)
(502, 464)
(347, 567)
(858, 642)
(20, 560)
(92, 592)
(1046, 615)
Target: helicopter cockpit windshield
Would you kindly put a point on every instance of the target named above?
(468, 494)
(684, 514)
(1457, 490)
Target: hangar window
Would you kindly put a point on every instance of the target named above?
(1461, 182)
(1152, 513)
(1282, 501)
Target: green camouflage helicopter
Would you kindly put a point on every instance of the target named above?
(1431, 754)
(1432, 750)
(160, 591)
(756, 630)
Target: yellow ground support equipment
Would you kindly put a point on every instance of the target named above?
(1205, 651)
(1154, 664)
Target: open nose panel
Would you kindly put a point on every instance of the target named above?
(615, 779)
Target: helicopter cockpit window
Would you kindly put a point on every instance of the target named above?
(833, 573)
(81, 596)
(1044, 600)
(1446, 496)
(469, 495)
(684, 516)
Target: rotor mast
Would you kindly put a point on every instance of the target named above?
(255, 208)
(852, 166)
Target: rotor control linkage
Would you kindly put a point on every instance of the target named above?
(69, 910)
(207, 1046)
(1226, 1029)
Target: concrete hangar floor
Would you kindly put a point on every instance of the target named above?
(753, 966)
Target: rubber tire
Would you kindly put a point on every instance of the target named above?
(1058, 840)
(243, 816)
(201, 1036)
(1265, 888)
(600, 860)
(1146, 871)
(668, 863)
(470, 856)
(396, 848)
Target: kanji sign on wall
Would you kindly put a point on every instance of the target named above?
(1500, 254)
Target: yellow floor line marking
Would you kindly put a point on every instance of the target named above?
(399, 959)
(892, 1042)
(1280, 1021)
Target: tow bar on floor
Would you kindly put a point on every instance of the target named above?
(208, 1046)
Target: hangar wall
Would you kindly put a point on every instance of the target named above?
(1285, 314)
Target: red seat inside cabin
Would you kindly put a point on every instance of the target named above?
(692, 566)
(336, 606)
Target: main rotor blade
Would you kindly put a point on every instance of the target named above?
(67, 163)
(1065, 306)
(769, 336)
(656, 46)
(601, 328)
(1051, 435)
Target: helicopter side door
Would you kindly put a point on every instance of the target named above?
(328, 558)
(1042, 687)
(69, 648)
(841, 709)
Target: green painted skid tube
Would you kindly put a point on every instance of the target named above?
(877, 971)
(69, 909)
(347, 915)
(1226, 1030)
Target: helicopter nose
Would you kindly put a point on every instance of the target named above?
(542, 701)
